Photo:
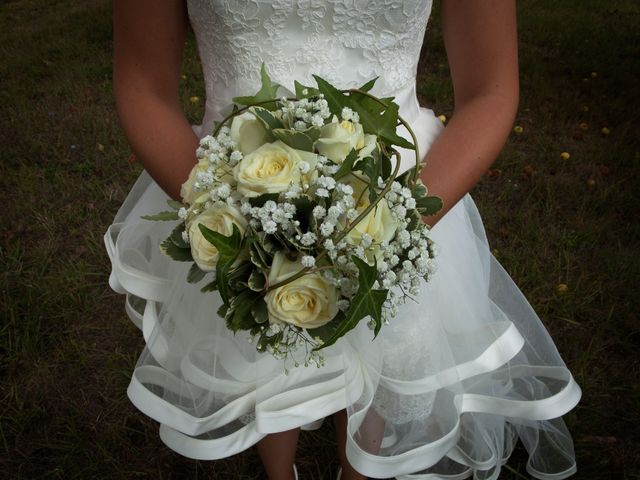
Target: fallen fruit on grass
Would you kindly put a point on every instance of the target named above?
(565, 155)
(562, 288)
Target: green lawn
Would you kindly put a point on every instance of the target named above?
(566, 230)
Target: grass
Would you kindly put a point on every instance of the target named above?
(566, 230)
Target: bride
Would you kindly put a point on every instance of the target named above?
(449, 387)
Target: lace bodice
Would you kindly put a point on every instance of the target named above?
(347, 42)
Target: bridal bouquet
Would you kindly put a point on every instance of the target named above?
(296, 213)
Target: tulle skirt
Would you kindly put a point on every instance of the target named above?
(445, 390)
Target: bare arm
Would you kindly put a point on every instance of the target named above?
(480, 38)
(148, 42)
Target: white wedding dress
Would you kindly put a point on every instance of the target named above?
(447, 388)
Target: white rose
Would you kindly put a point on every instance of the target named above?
(271, 169)
(380, 223)
(188, 194)
(307, 302)
(370, 144)
(248, 132)
(220, 218)
(338, 138)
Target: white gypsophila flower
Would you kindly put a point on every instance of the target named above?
(345, 189)
(400, 211)
(328, 245)
(366, 240)
(270, 227)
(322, 192)
(308, 261)
(329, 169)
(300, 112)
(352, 214)
(326, 182)
(410, 203)
(343, 305)
(326, 228)
(383, 266)
(393, 261)
(200, 152)
(293, 192)
(270, 206)
(406, 193)
(304, 167)
(182, 213)
(317, 120)
(359, 252)
(235, 157)
(185, 236)
(319, 212)
(300, 125)
(245, 207)
(308, 239)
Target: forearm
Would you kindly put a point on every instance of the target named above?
(466, 148)
(160, 137)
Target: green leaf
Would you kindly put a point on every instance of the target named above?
(268, 91)
(373, 170)
(428, 205)
(259, 257)
(167, 215)
(334, 97)
(176, 253)
(259, 311)
(346, 167)
(256, 281)
(297, 140)
(366, 302)
(210, 287)
(304, 211)
(195, 274)
(222, 270)
(311, 91)
(176, 236)
(227, 246)
(175, 204)
(380, 119)
(269, 120)
(369, 85)
(260, 200)
(239, 316)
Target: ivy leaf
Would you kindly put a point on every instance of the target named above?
(334, 97)
(167, 215)
(268, 91)
(369, 85)
(366, 302)
(227, 246)
(428, 205)
(311, 91)
(269, 120)
(297, 140)
(171, 250)
(346, 167)
(195, 274)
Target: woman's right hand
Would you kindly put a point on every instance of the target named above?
(148, 44)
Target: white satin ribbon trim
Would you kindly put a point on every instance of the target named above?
(497, 354)
(124, 278)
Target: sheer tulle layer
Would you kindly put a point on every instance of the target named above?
(443, 392)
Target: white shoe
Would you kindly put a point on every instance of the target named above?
(295, 472)
(339, 473)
